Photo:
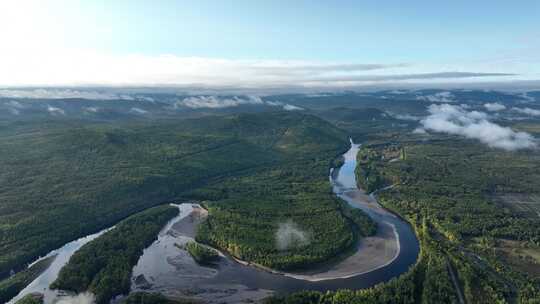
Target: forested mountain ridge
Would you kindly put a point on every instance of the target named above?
(104, 172)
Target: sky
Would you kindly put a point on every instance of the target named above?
(327, 44)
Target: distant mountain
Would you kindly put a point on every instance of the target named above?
(140, 106)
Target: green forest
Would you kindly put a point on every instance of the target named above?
(474, 209)
(246, 212)
(244, 220)
(104, 172)
(476, 244)
(255, 172)
(30, 299)
(202, 254)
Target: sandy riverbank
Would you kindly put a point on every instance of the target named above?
(371, 252)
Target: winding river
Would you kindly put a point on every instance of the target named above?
(165, 268)
(60, 258)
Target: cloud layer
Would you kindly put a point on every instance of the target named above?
(494, 107)
(14, 107)
(61, 94)
(527, 111)
(404, 116)
(454, 119)
(438, 97)
(60, 67)
(55, 111)
(217, 102)
(138, 111)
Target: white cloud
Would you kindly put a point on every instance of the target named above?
(398, 92)
(40, 53)
(57, 66)
(315, 95)
(526, 97)
(217, 102)
(61, 94)
(419, 131)
(14, 107)
(15, 104)
(138, 111)
(55, 111)
(274, 103)
(14, 111)
(438, 97)
(289, 236)
(527, 111)
(285, 106)
(404, 116)
(494, 107)
(289, 107)
(453, 119)
(91, 109)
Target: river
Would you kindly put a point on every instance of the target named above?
(165, 268)
(61, 257)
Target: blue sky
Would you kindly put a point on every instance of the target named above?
(252, 43)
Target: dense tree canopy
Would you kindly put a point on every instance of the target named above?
(64, 179)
